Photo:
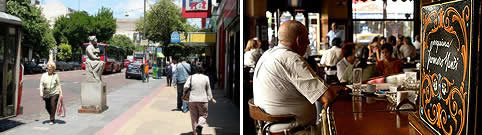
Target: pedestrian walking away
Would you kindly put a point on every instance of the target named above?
(169, 74)
(199, 96)
(50, 90)
(146, 72)
(183, 69)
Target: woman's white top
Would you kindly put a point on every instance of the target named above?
(200, 89)
(49, 84)
(251, 57)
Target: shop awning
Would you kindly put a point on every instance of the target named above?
(10, 19)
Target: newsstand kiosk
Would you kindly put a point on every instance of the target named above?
(10, 69)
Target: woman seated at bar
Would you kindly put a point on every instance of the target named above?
(407, 50)
(252, 53)
(348, 52)
(368, 71)
(389, 65)
(373, 48)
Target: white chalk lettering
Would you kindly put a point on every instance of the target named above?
(439, 44)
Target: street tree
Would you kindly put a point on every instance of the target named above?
(124, 42)
(35, 27)
(65, 51)
(76, 27)
(103, 25)
(163, 18)
(73, 29)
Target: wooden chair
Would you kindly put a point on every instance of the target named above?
(263, 120)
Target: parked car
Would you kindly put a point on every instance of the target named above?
(62, 65)
(32, 67)
(133, 70)
(43, 63)
(126, 63)
(75, 65)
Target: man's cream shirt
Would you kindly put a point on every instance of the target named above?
(284, 83)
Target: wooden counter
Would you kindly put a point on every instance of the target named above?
(368, 116)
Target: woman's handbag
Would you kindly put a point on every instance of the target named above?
(187, 93)
(61, 106)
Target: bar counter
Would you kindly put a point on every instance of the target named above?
(368, 115)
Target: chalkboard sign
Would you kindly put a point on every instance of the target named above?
(448, 60)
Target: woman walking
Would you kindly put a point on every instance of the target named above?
(50, 90)
(199, 96)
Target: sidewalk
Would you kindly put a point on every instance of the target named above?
(140, 108)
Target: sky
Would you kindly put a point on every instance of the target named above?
(121, 8)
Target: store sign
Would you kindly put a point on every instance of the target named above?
(144, 42)
(448, 69)
(175, 38)
(196, 5)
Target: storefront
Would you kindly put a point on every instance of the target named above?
(228, 38)
(10, 69)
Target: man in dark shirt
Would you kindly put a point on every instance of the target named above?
(168, 74)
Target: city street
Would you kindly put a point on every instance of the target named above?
(70, 81)
(134, 108)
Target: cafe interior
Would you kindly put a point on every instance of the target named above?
(429, 88)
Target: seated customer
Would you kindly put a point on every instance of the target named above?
(252, 53)
(368, 71)
(332, 55)
(283, 82)
(407, 49)
(389, 65)
(373, 47)
(348, 52)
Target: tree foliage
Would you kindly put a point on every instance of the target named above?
(65, 51)
(179, 50)
(103, 25)
(76, 27)
(73, 29)
(124, 42)
(35, 27)
(162, 19)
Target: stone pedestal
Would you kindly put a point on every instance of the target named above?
(93, 97)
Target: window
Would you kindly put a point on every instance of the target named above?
(399, 9)
(381, 18)
(285, 16)
(368, 9)
(300, 18)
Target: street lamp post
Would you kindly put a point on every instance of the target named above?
(144, 34)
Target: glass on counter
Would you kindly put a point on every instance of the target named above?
(357, 81)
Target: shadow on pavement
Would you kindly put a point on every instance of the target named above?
(9, 124)
(56, 122)
(191, 133)
(188, 133)
(223, 115)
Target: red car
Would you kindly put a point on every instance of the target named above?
(126, 62)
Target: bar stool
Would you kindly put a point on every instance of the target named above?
(263, 120)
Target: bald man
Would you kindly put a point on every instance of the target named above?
(284, 83)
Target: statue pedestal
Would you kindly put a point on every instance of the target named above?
(93, 97)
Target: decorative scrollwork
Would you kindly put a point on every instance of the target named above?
(437, 107)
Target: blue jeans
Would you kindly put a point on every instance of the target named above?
(181, 104)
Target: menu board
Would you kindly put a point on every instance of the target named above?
(447, 73)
